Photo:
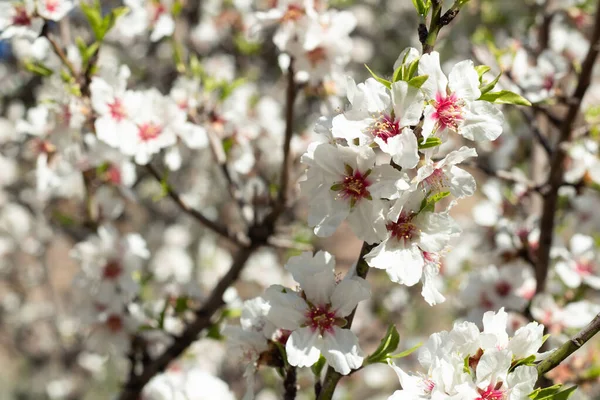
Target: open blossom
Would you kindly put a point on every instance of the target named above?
(146, 15)
(584, 157)
(344, 183)
(580, 264)
(383, 116)
(444, 175)
(453, 104)
(18, 19)
(54, 10)
(414, 238)
(466, 363)
(316, 314)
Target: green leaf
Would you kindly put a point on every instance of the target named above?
(317, 367)
(505, 97)
(418, 81)
(38, 68)
(398, 74)
(181, 304)
(430, 142)
(111, 18)
(565, 394)
(94, 17)
(428, 203)
(422, 7)
(481, 70)
(408, 352)
(489, 86)
(388, 345)
(245, 46)
(523, 361)
(379, 79)
(412, 69)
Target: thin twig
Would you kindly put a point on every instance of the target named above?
(204, 315)
(557, 164)
(215, 227)
(569, 347)
(63, 57)
(289, 383)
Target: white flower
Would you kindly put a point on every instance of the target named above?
(382, 116)
(108, 261)
(444, 175)
(413, 238)
(584, 161)
(17, 20)
(54, 10)
(453, 102)
(580, 265)
(315, 315)
(344, 183)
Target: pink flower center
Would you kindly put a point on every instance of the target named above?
(117, 110)
(429, 385)
(448, 111)
(51, 5)
(21, 17)
(321, 318)
(112, 270)
(492, 393)
(355, 186)
(437, 180)
(149, 131)
(316, 56)
(114, 323)
(385, 127)
(503, 288)
(159, 9)
(113, 175)
(293, 13)
(404, 228)
(548, 82)
(584, 268)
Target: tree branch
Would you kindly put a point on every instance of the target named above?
(204, 315)
(569, 347)
(556, 166)
(213, 226)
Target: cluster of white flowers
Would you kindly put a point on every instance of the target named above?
(106, 286)
(316, 37)
(466, 363)
(389, 199)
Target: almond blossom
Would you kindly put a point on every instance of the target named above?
(580, 264)
(18, 19)
(383, 116)
(316, 314)
(453, 102)
(413, 240)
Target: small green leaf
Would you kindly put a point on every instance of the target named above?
(422, 7)
(505, 97)
(408, 352)
(481, 70)
(38, 68)
(545, 393)
(245, 46)
(388, 345)
(398, 74)
(430, 142)
(418, 81)
(429, 202)
(181, 304)
(523, 361)
(94, 17)
(412, 69)
(336, 187)
(317, 367)
(489, 86)
(379, 79)
(565, 394)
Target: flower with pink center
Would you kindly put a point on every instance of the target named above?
(579, 264)
(344, 183)
(18, 19)
(382, 116)
(453, 102)
(316, 314)
(414, 236)
(54, 10)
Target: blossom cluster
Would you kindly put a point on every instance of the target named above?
(379, 167)
(466, 363)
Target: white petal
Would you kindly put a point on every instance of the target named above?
(483, 121)
(302, 347)
(348, 293)
(314, 274)
(437, 81)
(286, 310)
(341, 350)
(464, 81)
